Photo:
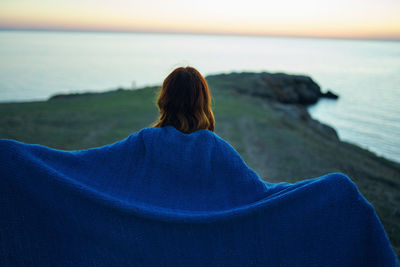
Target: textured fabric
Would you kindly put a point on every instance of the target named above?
(162, 197)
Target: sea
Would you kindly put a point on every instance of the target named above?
(35, 65)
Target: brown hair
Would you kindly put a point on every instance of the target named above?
(185, 101)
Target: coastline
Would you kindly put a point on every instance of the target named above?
(363, 115)
(281, 142)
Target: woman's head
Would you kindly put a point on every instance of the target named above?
(185, 101)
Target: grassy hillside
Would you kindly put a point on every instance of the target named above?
(278, 141)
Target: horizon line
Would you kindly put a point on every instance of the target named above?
(177, 32)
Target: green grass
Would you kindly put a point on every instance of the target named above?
(79, 122)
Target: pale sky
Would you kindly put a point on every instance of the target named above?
(315, 18)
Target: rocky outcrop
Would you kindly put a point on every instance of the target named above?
(281, 87)
(330, 95)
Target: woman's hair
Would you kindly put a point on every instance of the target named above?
(185, 101)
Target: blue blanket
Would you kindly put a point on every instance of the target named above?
(162, 197)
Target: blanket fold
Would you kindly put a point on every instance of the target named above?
(162, 197)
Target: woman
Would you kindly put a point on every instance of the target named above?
(185, 102)
(176, 194)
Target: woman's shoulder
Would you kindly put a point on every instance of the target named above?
(201, 140)
(172, 130)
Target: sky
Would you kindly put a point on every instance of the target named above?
(371, 19)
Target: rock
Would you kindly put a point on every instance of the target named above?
(330, 95)
(281, 87)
